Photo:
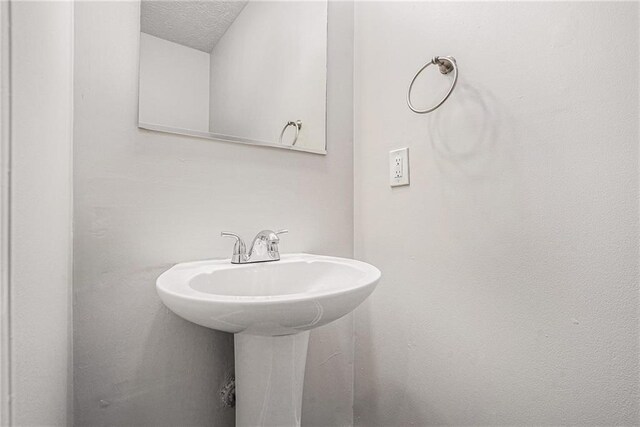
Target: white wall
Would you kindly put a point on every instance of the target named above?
(269, 68)
(145, 201)
(510, 265)
(40, 233)
(174, 84)
(5, 179)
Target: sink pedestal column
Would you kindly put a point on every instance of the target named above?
(269, 379)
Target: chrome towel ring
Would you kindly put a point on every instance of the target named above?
(446, 65)
(298, 125)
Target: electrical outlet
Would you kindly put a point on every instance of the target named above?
(399, 167)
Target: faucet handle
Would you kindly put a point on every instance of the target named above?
(229, 234)
(239, 249)
(233, 235)
(272, 246)
(276, 233)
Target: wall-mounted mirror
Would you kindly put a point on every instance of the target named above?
(252, 71)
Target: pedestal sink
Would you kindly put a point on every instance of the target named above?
(270, 307)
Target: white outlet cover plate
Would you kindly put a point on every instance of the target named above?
(399, 167)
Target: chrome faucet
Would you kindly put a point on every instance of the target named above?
(264, 247)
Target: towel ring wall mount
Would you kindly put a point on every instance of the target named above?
(446, 64)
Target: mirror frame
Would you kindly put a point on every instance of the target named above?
(237, 139)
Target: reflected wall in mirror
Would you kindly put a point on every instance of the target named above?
(241, 71)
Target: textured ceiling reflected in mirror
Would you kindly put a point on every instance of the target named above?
(198, 24)
(252, 72)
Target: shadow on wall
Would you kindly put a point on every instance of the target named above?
(471, 110)
(153, 368)
(188, 354)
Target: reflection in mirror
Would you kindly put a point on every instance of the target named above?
(240, 71)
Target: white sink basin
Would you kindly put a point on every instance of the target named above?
(297, 293)
(270, 307)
